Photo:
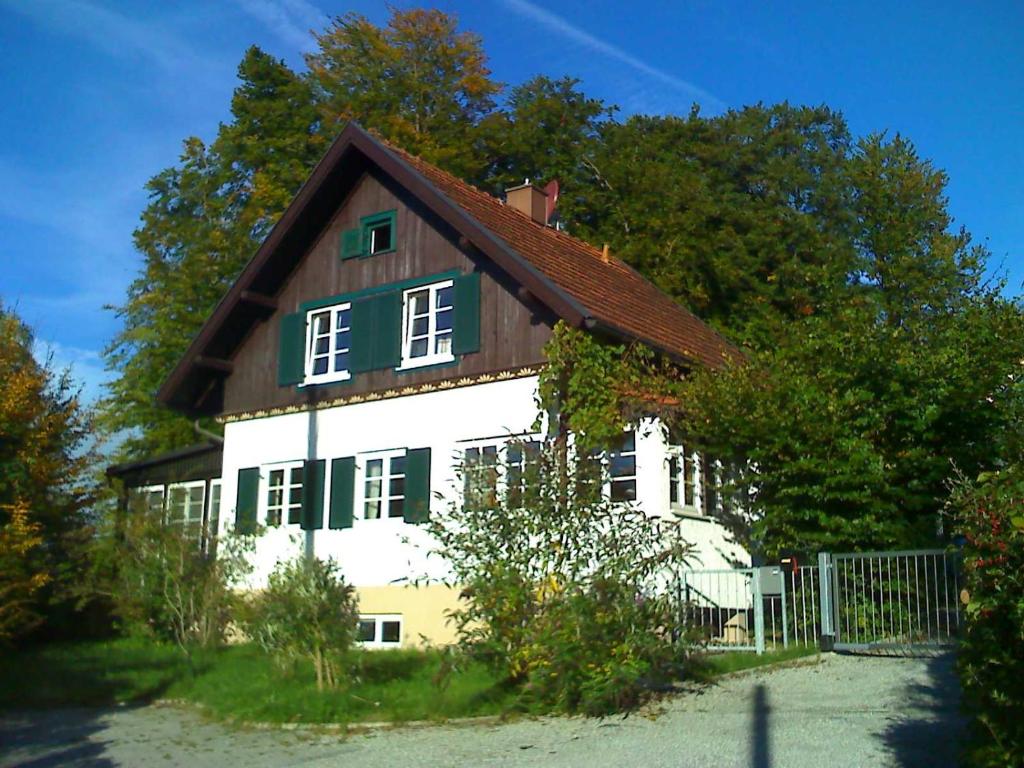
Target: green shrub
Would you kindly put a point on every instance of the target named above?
(562, 584)
(306, 612)
(163, 584)
(990, 515)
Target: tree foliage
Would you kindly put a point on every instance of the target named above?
(565, 589)
(162, 583)
(44, 487)
(417, 81)
(990, 514)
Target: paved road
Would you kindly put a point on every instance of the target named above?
(842, 712)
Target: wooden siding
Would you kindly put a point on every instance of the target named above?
(512, 334)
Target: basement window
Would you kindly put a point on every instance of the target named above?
(383, 630)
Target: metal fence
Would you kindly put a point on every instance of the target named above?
(907, 600)
(717, 608)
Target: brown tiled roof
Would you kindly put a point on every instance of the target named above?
(610, 291)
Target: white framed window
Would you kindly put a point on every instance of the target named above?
(213, 519)
(480, 475)
(328, 343)
(379, 630)
(383, 485)
(185, 503)
(622, 468)
(282, 497)
(685, 480)
(149, 498)
(427, 318)
(491, 466)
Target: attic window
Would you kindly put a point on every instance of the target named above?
(379, 233)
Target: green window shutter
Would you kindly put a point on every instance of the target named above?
(343, 487)
(352, 243)
(364, 321)
(466, 335)
(247, 500)
(388, 352)
(313, 494)
(377, 332)
(417, 485)
(291, 354)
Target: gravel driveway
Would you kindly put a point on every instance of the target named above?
(845, 711)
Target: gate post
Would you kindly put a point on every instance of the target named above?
(758, 612)
(828, 630)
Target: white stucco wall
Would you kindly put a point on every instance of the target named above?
(389, 551)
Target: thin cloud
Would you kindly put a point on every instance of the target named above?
(291, 20)
(562, 27)
(114, 33)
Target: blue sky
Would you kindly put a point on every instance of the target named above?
(97, 96)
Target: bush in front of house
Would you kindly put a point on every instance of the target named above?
(164, 583)
(306, 613)
(562, 584)
(990, 515)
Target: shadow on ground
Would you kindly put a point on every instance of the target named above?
(932, 731)
(65, 738)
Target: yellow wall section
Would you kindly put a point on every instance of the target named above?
(424, 611)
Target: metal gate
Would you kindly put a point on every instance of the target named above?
(890, 601)
(905, 601)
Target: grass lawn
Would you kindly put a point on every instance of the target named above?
(241, 682)
(715, 664)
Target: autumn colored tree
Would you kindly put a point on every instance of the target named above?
(44, 489)
(417, 81)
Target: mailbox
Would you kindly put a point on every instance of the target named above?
(770, 579)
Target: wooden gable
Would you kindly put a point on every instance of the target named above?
(512, 333)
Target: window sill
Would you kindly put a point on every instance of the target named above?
(321, 382)
(426, 362)
(689, 513)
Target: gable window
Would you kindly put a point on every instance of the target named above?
(185, 506)
(380, 237)
(384, 486)
(622, 468)
(379, 630)
(427, 319)
(284, 493)
(328, 343)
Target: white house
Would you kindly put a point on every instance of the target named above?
(391, 325)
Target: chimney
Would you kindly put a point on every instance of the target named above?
(530, 200)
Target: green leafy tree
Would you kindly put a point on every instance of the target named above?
(204, 219)
(417, 81)
(745, 218)
(547, 129)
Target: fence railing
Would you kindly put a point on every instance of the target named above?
(874, 600)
